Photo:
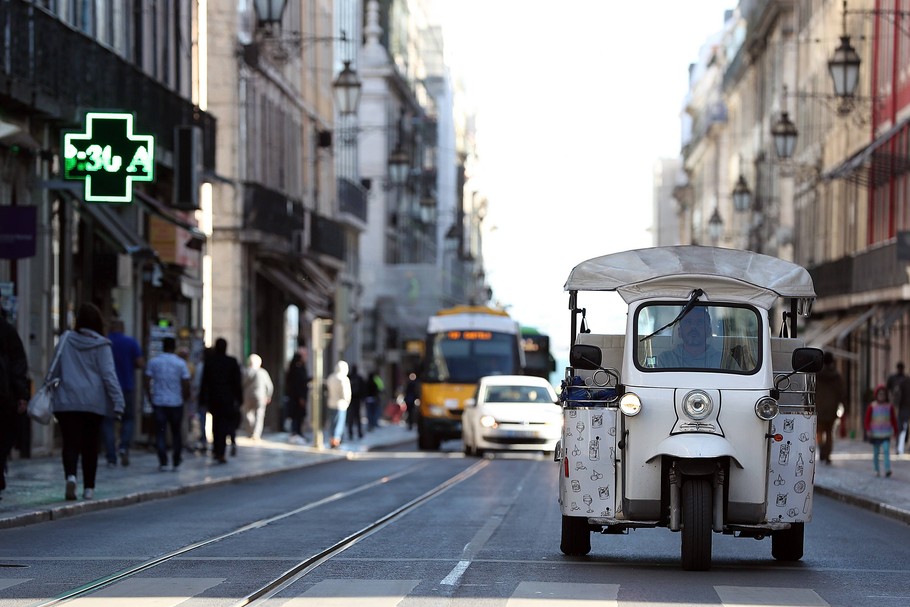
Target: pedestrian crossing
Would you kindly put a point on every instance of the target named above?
(172, 591)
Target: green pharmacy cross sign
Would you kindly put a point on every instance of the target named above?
(108, 157)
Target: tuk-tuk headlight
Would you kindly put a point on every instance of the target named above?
(630, 404)
(488, 421)
(766, 408)
(697, 404)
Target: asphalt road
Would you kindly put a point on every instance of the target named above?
(428, 530)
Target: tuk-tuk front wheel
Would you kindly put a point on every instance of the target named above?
(576, 536)
(697, 507)
(787, 544)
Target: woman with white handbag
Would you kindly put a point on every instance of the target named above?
(88, 390)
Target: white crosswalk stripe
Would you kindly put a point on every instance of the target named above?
(556, 594)
(148, 592)
(764, 596)
(354, 593)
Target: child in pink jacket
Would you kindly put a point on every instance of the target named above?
(881, 425)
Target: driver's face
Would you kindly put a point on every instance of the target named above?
(694, 328)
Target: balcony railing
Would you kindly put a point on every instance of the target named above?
(60, 72)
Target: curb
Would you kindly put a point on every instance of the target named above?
(866, 503)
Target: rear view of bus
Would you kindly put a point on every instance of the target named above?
(464, 343)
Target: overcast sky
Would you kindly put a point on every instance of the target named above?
(576, 102)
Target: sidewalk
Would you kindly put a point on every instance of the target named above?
(34, 487)
(34, 490)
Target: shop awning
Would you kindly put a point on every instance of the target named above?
(812, 329)
(838, 330)
(114, 230)
(295, 289)
(318, 276)
(158, 208)
(890, 315)
(877, 162)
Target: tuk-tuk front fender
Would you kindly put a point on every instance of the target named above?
(695, 446)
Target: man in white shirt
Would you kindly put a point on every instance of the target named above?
(167, 385)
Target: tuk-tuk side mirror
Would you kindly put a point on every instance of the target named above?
(585, 357)
(807, 360)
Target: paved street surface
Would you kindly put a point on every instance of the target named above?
(35, 486)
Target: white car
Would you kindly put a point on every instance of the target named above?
(514, 412)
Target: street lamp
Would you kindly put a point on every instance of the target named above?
(715, 227)
(347, 90)
(784, 134)
(399, 165)
(269, 12)
(844, 69)
(742, 195)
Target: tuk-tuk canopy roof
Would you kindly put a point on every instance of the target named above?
(675, 271)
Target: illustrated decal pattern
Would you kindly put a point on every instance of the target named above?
(588, 473)
(791, 473)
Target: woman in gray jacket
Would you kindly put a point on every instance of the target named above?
(88, 391)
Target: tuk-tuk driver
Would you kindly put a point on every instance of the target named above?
(695, 350)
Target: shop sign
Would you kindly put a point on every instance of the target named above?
(108, 157)
(18, 232)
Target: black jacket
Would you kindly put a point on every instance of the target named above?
(220, 389)
(13, 367)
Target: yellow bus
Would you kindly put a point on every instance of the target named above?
(463, 344)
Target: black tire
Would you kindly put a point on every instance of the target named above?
(576, 536)
(427, 441)
(696, 524)
(787, 544)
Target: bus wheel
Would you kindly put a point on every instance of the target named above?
(696, 524)
(427, 441)
(576, 536)
(787, 544)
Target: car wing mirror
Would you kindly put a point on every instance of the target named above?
(585, 357)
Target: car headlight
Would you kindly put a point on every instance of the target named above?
(630, 404)
(697, 404)
(766, 408)
(487, 421)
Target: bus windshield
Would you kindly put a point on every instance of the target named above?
(721, 338)
(466, 356)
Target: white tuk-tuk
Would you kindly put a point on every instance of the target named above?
(698, 419)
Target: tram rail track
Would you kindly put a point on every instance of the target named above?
(303, 567)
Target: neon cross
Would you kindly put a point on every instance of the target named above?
(108, 157)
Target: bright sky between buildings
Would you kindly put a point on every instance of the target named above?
(576, 101)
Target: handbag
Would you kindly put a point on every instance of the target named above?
(40, 406)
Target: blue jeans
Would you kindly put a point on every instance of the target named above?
(883, 446)
(111, 446)
(169, 417)
(339, 417)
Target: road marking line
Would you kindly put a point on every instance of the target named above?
(455, 574)
(11, 581)
(763, 596)
(560, 594)
(351, 593)
(148, 592)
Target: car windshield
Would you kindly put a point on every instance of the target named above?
(718, 338)
(517, 394)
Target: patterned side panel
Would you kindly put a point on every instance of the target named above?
(588, 471)
(791, 471)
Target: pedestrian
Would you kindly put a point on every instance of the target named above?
(901, 399)
(257, 394)
(88, 390)
(374, 389)
(881, 424)
(338, 387)
(354, 421)
(128, 357)
(296, 388)
(830, 395)
(201, 414)
(895, 380)
(14, 390)
(412, 399)
(167, 386)
(221, 392)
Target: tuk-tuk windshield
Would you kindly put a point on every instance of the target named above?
(708, 337)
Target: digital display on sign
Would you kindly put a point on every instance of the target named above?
(108, 156)
(469, 335)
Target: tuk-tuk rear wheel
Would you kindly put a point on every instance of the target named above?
(787, 544)
(576, 536)
(696, 524)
